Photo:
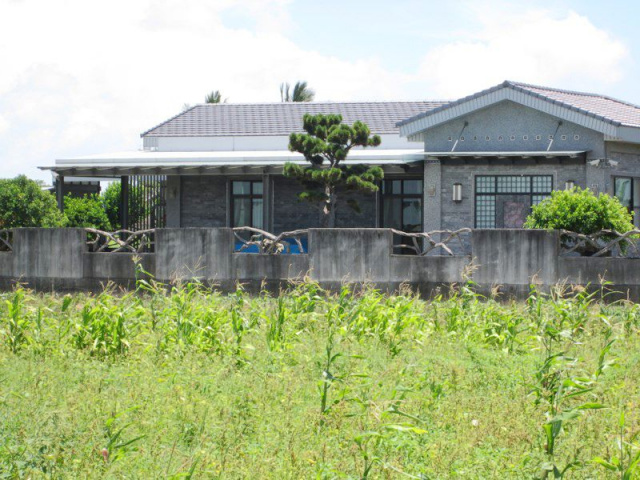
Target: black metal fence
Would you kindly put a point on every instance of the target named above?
(146, 202)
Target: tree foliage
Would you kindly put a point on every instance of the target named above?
(301, 92)
(214, 97)
(86, 211)
(23, 203)
(580, 210)
(326, 143)
(111, 201)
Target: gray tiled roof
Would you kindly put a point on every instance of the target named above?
(236, 119)
(607, 109)
(616, 111)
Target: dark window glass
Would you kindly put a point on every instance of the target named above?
(242, 212)
(412, 214)
(241, 188)
(402, 205)
(392, 213)
(412, 187)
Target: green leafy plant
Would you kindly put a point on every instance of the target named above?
(563, 394)
(581, 211)
(17, 324)
(276, 325)
(625, 462)
(116, 447)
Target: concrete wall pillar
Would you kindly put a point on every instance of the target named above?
(173, 201)
(515, 257)
(350, 254)
(184, 253)
(432, 208)
(48, 252)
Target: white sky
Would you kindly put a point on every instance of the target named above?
(80, 77)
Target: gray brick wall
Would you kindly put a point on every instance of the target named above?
(203, 201)
(204, 204)
(290, 213)
(628, 158)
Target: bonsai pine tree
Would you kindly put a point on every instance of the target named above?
(325, 145)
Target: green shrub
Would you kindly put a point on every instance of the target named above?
(111, 201)
(23, 203)
(580, 211)
(86, 211)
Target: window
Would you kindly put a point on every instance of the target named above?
(246, 204)
(504, 201)
(402, 208)
(627, 189)
(402, 205)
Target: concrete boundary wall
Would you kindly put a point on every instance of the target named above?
(509, 260)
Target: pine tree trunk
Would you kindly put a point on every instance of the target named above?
(328, 209)
(332, 211)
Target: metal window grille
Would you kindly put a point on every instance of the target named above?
(489, 187)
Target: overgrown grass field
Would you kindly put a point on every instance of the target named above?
(190, 383)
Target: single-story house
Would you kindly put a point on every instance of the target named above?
(481, 161)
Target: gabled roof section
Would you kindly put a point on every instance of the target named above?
(608, 109)
(612, 117)
(247, 119)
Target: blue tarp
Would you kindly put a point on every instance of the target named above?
(293, 250)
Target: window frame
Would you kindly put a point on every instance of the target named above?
(401, 196)
(251, 196)
(633, 206)
(531, 193)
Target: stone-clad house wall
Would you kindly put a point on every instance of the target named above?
(204, 201)
(628, 158)
(457, 215)
(290, 213)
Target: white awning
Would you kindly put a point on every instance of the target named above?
(145, 162)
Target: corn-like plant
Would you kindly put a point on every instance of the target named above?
(116, 446)
(16, 325)
(625, 462)
(104, 327)
(564, 397)
(276, 325)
